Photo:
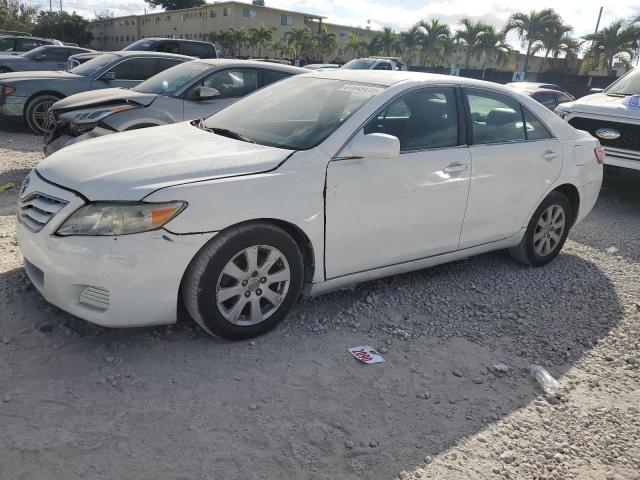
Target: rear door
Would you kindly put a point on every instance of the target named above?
(232, 83)
(515, 159)
(131, 71)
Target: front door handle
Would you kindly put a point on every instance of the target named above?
(455, 167)
(549, 155)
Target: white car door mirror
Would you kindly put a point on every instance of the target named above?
(377, 145)
(205, 93)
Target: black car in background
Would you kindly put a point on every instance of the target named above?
(193, 48)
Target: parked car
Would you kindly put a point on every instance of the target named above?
(193, 48)
(314, 183)
(377, 63)
(321, 66)
(548, 97)
(47, 57)
(188, 91)
(613, 117)
(17, 44)
(533, 86)
(29, 95)
(78, 59)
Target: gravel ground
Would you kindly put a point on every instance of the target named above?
(78, 401)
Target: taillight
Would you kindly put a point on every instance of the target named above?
(599, 151)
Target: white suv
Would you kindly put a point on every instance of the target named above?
(613, 117)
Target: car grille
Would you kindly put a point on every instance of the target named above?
(629, 134)
(95, 297)
(37, 209)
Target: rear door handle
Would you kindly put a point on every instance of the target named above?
(549, 155)
(455, 167)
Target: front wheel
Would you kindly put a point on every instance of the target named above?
(546, 233)
(36, 113)
(244, 281)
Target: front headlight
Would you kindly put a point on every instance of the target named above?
(94, 115)
(119, 218)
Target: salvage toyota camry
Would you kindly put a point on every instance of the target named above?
(314, 183)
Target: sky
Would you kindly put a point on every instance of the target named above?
(400, 14)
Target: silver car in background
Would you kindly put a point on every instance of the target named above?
(47, 57)
(188, 91)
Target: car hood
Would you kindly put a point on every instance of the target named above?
(38, 76)
(601, 104)
(131, 165)
(102, 97)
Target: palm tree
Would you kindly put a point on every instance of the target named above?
(556, 40)
(298, 39)
(493, 47)
(410, 40)
(239, 38)
(354, 44)
(531, 28)
(223, 40)
(469, 36)
(435, 41)
(374, 45)
(260, 37)
(326, 42)
(620, 38)
(388, 41)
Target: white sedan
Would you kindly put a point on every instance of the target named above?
(311, 184)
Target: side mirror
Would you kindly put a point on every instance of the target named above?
(204, 93)
(377, 145)
(596, 90)
(40, 56)
(109, 76)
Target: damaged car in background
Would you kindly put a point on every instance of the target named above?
(189, 91)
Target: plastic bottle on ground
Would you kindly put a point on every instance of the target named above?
(549, 384)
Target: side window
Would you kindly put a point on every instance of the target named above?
(271, 76)
(383, 66)
(164, 63)
(424, 119)
(233, 82)
(535, 129)
(495, 118)
(167, 47)
(7, 44)
(546, 99)
(57, 54)
(135, 69)
(562, 98)
(26, 44)
(194, 49)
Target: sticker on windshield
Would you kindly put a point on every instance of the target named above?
(632, 101)
(361, 89)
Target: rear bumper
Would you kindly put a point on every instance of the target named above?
(588, 197)
(622, 158)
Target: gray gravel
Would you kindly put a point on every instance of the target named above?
(85, 402)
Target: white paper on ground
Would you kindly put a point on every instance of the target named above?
(366, 354)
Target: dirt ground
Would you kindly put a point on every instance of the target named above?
(82, 402)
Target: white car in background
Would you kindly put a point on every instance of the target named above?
(314, 183)
(613, 117)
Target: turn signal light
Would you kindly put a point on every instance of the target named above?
(599, 151)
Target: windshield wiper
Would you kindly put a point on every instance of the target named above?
(618, 94)
(226, 133)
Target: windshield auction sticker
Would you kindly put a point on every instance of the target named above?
(366, 354)
(361, 89)
(632, 101)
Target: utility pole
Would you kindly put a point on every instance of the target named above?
(50, 5)
(597, 23)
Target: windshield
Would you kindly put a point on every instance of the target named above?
(36, 51)
(167, 82)
(139, 45)
(94, 65)
(629, 84)
(298, 113)
(359, 64)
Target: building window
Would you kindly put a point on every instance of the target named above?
(249, 13)
(226, 11)
(213, 13)
(286, 20)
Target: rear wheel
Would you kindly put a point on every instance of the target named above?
(36, 113)
(244, 281)
(546, 233)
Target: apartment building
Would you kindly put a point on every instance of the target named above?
(197, 23)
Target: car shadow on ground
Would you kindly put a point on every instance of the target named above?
(294, 403)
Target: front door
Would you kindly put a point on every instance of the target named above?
(515, 160)
(382, 212)
(129, 72)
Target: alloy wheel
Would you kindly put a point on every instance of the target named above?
(549, 230)
(40, 116)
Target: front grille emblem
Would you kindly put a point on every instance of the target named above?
(608, 133)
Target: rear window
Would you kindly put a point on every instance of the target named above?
(194, 50)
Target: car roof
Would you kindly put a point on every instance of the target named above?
(252, 63)
(143, 53)
(163, 39)
(387, 78)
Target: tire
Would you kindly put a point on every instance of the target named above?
(35, 113)
(545, 236)
(230, 300)
(5, 70)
